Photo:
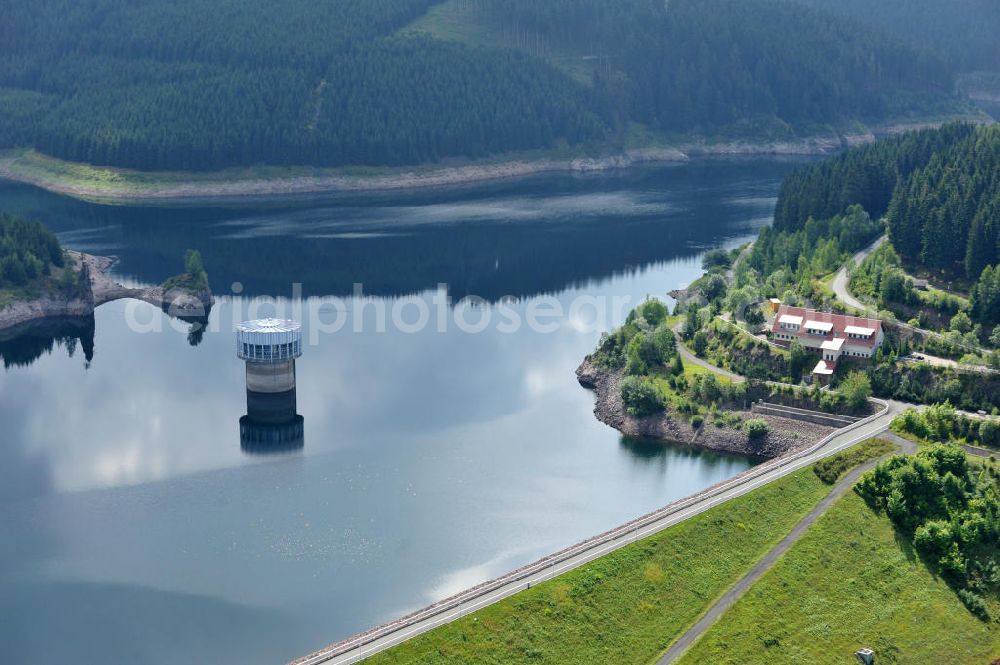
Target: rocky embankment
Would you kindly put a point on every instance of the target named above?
(785, 435)
(176, 302)
(103, 289)
(45, 307)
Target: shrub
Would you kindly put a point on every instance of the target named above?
(194, 278)
(663, 339)
(830, 469)
(754, 316)
(700, 343)
(649, 349)
(961, 323)
(975, 603)
(831, 402)
(692, 323)
(934, 538)
(952, 565)
(949, 509)
(989, 432)
(798, 360)
(676, 366)
(941, 420)
(713, 287)
(715, 258)
(856, 389)
(912, 422)
(640, 396)
(756, 428)
(697, 421)
(636, 364)
(995, 337)
(653, 312)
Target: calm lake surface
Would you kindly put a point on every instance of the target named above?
(137, 528)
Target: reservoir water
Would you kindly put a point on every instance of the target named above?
(139, 526)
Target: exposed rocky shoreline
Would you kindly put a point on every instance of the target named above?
(103, 289)
(785, 435)
(136, 187)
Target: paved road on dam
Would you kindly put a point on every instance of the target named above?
(361, 646)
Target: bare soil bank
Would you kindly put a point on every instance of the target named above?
(785, 435)
(112, 185)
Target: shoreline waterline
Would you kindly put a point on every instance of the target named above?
(111, 185)
(478, 472)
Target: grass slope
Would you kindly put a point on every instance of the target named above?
(461, 21)
(628, 606)
(456, 20)
(848, 583)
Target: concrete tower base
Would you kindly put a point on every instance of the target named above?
(272, 408)
(277, 377)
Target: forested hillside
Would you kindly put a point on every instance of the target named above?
(947, 214)
(205, 84)
(699, 65)
(198, 84)
(27, 251)
(866, 175)
(939, 191)
(963, 31)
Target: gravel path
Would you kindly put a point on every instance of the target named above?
(689, 357)
(972, 450)
(840, 281)
(841, 291)
(730, 597)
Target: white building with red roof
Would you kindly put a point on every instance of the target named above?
(834, 336)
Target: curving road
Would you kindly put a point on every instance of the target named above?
(359, 647)
(841, 279)
(843, 293)
(689, 357)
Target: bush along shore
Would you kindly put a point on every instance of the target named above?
(39, 280)
(644, 388)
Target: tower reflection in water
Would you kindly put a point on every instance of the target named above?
(258, 438)
(269, 348)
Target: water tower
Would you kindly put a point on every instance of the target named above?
(269, 348)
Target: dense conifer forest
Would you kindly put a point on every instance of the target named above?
(700, 65)
(866, 175)
(206, 84)
(962, 31)
(27, 251)
(939, 191)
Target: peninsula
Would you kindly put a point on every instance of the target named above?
(39, 280)
(649, 384)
